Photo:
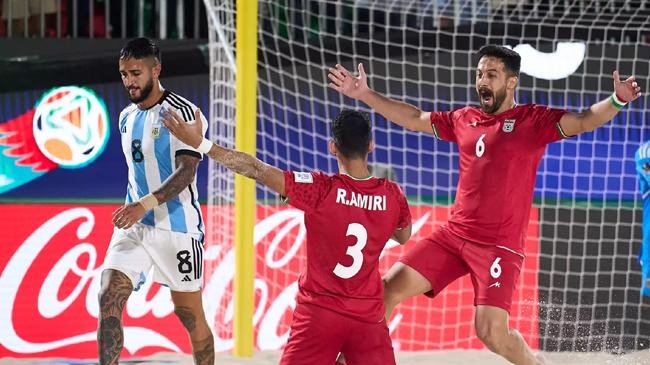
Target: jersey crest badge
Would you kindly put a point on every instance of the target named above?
(508, 125)
(303, 177)
(155, 129)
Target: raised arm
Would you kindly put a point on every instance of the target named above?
(237, 161)
(604, 110)
(398, 112)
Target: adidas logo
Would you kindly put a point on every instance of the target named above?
(186, 278)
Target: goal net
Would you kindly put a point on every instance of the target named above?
(580, 284)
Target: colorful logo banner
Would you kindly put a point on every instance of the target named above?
(68, 128)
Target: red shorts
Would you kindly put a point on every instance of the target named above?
(444, 257)
(318, 335)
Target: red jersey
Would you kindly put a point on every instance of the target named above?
(499, 155)
(348, 223)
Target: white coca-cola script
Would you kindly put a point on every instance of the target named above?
(272, 230)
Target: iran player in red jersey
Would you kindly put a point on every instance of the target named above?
(500, 145)
(349, 217)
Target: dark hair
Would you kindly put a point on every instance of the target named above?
(352, 133)
(511, 59)
(140, 48)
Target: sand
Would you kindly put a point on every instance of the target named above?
(457, 357)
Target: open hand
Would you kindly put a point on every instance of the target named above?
(190, 134)
(628, 90)
(127, 215)
(344, 82)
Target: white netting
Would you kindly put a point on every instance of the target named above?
(220, 221)
(580, 284)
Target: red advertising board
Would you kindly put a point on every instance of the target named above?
(51, 258)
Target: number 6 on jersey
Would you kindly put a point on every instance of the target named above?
(358, 231)
(480, 146)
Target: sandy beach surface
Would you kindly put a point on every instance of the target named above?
(457, 357)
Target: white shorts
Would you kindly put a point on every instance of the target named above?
(177, 258)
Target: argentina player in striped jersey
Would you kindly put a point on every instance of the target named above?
(160, 225)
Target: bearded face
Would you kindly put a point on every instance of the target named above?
(491, 84)
(139, 94)
(138, 78)
(491, 100)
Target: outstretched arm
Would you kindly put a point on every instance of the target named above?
(604, 110)
(398, 112)
(237, 161)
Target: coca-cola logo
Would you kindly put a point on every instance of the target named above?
(51, 277)
(283, 228)
(50, 304)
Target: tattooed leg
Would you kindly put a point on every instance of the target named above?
(203, 351)
(111, 340)
(115, 290)
(187, 318)
(189, 310)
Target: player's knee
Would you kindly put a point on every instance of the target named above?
(111, 301)
(102, 298)
(114, 291)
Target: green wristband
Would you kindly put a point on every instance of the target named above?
(617, 103)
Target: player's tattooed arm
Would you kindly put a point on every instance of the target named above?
(127, 215)
(186, 166)
(249, 166)
(237, 161)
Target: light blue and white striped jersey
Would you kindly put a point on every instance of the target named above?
(150, 152)
(642, 158)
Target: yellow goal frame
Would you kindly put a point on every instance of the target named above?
(245, 209)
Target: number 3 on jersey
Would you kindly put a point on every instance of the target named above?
(358, 231)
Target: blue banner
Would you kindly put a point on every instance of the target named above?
(597, 165)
